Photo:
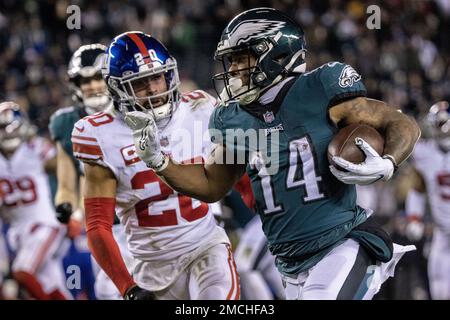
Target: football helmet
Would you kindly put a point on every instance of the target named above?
(87, 62)
(14, 126)
(275, 40)
(135, 57)
(438, 123)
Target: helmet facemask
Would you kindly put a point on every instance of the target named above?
(127, 86)
(91, 102)
(271, 66)
(238, 84)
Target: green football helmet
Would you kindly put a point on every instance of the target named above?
(275, 40)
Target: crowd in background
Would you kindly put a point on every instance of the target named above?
(406, 62)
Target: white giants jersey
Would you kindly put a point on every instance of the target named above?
(434, 165)
(24, 183)
(160, 224)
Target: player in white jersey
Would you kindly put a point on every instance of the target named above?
(432, 163)
(181, 253)
(34, 233)
(90, 95)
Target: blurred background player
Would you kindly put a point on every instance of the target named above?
(180, 251)
(4, 259)
(34, 233)
(90, 95)
(431, 160)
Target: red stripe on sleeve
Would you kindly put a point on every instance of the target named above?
(99, 221)
(87, 149)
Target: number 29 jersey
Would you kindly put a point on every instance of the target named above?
(24, 184)
(160, 223)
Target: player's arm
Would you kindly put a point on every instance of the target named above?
(99, 201)
(51, 165)
(66, 197)
(209, 182)
(66, 174)
(415, 205)
(416, 197)
(400, 131)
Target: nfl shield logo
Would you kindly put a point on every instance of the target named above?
(268, 117)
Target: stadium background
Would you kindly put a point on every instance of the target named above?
(405, 63)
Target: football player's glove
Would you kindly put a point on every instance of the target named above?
(63, 212)
(137, 293)
(372, 169)
(146, 139)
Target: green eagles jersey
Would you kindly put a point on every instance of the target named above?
(305, 210)
(61, 126)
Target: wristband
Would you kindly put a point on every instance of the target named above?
(394, 162)
(161, 165)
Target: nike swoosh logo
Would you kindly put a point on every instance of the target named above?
(79, 129)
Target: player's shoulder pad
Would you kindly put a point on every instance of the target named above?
(222, 114)
(199, 99)
(334, 71)
(86, 146)
(62, 112)
(58, 119)
(43, 147)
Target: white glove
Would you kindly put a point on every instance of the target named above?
(146, 139)
(372, 169)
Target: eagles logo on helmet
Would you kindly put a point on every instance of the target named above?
(275, 40)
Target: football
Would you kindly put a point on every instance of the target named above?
(343, 143)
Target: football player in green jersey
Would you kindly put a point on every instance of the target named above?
(89, 93)
(325, 245)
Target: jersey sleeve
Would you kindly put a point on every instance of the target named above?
(341, 82)
(85, 144)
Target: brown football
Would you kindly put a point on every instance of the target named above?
(343, 143)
